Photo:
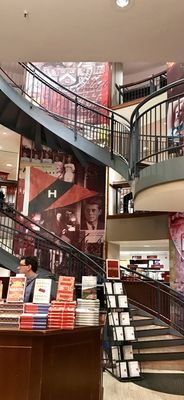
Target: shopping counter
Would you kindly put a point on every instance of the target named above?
(51, 364)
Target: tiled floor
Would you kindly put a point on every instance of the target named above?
(115, 390)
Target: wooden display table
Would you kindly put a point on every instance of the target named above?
(51, 364)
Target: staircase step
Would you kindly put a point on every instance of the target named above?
(150, 327)
(159, 356)
(167, 365)
(142, 322)
(160, 337)
(157, 350)
(138, 312)
(146, 344)
(141, 317)
(133, 311)
(152, 332)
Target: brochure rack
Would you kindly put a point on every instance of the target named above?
(121, 334)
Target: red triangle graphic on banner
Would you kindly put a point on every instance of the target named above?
(73, 195)
(39, 181)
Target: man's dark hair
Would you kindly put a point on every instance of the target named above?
(92, 201)
(31, 260)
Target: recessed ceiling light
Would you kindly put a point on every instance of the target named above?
(1, 147)
(122, 3)
(4, 133)
(9, 165)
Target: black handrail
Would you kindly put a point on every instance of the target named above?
(141, 88)
(84, 117)
(142, 80)
(159, 299)
(47, 236)
(153, 136)
(146, 278)
(152, 96)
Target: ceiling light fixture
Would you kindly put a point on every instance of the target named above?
(122, 3)
(9, 165)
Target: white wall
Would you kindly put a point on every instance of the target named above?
(126, 111)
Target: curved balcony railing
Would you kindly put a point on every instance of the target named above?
(157, 128)
(86, 118)
(142, 88)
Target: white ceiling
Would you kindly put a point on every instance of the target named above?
(9, 150)
(143, 245)
(92, 30)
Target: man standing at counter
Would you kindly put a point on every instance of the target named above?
(28, 266)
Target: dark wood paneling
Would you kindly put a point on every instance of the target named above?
(51, 365)
(147, 296)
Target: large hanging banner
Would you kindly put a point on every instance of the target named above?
(175, 112)
(64, 195)
(87, 79)
(176, 230)
(175, 124)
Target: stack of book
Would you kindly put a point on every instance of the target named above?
(33, 321)
(32, 308)
(62, 315)
(87, 312)
(10, 315)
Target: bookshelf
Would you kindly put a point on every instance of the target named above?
(121, 333)
(150, 267)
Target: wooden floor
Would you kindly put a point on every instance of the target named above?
(115, 390)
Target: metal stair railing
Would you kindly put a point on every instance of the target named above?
(156, 128)
(88, 119)
(155, 297)
(142, 88)
(20, 236)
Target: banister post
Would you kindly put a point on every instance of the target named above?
(158, 299)
(75, 126)
(134, 148)
(112, 136)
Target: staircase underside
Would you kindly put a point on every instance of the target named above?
(160, 187)
(20, 115)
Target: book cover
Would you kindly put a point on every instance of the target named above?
(129, 333)
(65, 288)
(122, 301)
(134, 369)
(118, 287)
(111, 301)
(42, 291)
(112, 269)
(108, 286)
(118, 333)
(114, 318)
(121, 369)
(16, 289)
(89, 287)
(128, 352)
(124, 318)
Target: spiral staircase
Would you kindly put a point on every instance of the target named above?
(28, 100)
(23, 112)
